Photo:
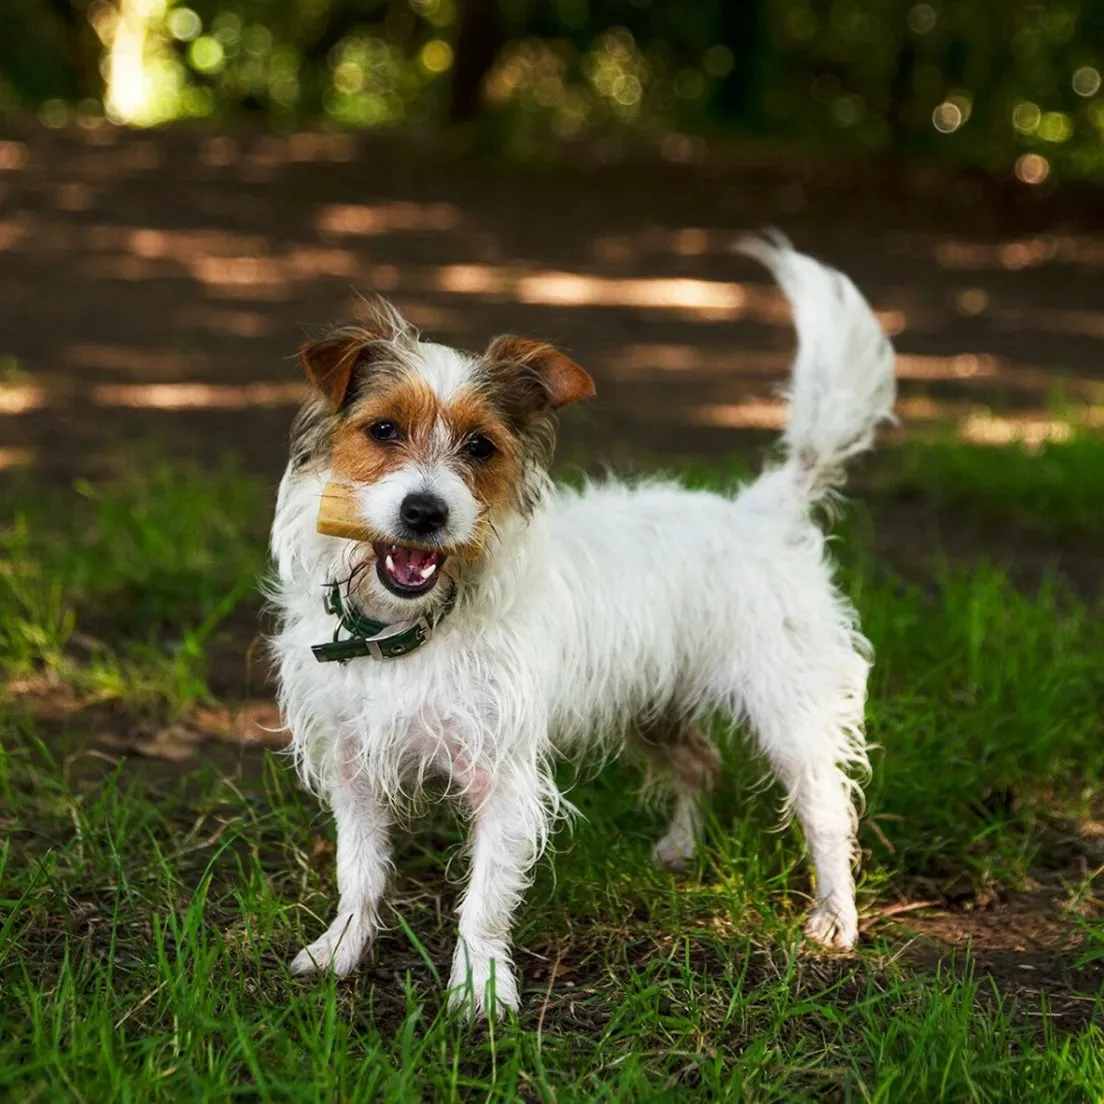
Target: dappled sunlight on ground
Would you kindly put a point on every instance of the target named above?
(991, 429)
(15, 458)
(158, 285)
(368, 220)
(19, 398)
(692, 298)
(198, 396)
(131, 360)
(972, 369)
(1022, 253)
(697, 298)
(753, 414)
(660, 359)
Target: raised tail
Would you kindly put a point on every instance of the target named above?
(842, 385)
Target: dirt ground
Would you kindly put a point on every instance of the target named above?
(157, 286)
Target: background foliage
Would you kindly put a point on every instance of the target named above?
(1004, 85)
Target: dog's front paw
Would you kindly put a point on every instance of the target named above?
(482, 980)
(339, 950)
(675, 851)
(834, 923)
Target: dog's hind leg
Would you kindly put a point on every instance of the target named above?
(684, 761)
(363, 863)
(806, 711)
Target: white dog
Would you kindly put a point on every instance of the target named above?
(493, 621)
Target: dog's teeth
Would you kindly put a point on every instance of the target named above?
(390, 562)
(428, 570)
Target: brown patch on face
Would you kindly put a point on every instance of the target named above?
(493, 480)
(430, 432)
(410, 406)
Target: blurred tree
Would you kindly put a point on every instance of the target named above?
(478, 41)
(48, 50)
(982, 82)
(742, 31)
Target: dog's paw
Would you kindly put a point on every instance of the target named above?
(834, 923)
(675, 851)
(462, 999)
(339, 950)
(481, 983)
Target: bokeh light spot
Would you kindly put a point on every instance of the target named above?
(921, 18)
(54, 114)
(227, 27)
(1086, 81)
(257, 40)
(1026, 116)
(184, 24)
(206, 54)
(947, 117)
(847, 110)
(689, 84)
(971, 302)
(436, 56)
(1032, 168)
(348, 77)
(1055, 126)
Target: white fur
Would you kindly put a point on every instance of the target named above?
(445, 370)
(379, 502)
(611, 606)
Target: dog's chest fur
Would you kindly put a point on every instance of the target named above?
(438, 711)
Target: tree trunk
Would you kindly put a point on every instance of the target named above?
(477, 46)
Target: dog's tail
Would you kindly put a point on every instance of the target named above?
(842, 385)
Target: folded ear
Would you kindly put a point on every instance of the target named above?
(330, 362)
(548, 379)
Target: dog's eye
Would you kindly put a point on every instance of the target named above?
(383, 431)
(479, 447)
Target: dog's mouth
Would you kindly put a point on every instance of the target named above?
(408, 572)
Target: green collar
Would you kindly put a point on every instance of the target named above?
(373, 638)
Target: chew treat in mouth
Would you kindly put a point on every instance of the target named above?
(407, 571)
(338, 517)
(337, 514)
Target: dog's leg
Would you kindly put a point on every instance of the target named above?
(809, 728)
(687, 763)
(507, 827)
(363, 863)
(804, 696)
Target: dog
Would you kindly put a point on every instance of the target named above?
(496, 622)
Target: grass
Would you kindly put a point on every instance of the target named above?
(117, 591)
(1049, 490)
(148, 910)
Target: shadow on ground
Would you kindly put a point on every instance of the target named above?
(157, 285)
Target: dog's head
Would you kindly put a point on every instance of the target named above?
(439, 446)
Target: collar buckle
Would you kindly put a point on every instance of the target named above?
(372, 638)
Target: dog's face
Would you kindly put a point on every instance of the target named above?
(438, 445)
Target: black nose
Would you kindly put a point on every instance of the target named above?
(423, 513)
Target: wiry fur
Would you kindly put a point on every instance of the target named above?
(590, 617)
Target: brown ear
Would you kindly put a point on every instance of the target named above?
(330, 361)
(561, 380)
(329, 364)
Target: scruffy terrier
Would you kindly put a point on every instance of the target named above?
(483, 622)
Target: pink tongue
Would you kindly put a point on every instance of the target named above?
(409, 563)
